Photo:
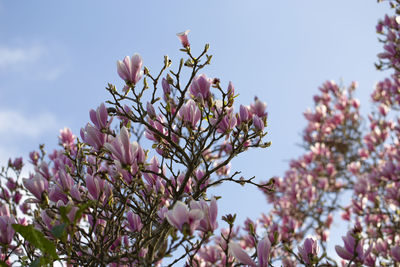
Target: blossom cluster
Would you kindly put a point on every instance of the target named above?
(132, 189)
(108, 197)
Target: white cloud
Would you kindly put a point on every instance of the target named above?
(15, 123)
(16, 128)
(11, 57)
(36, 60)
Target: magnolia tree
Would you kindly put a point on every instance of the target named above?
(108, 198)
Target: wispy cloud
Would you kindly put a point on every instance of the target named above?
(18, 57)
(14, 123)
(36, 60)
(18, 130)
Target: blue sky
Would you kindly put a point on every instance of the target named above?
(57, 57)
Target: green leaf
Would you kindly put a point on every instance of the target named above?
(37, 239)
(58, 230)
(81, 210)
(36, 263)
(63, 212)
(3, 264)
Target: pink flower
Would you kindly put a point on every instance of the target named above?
(239, 254)
(227, 123)
(56, 193)
(177, 183)
(200, 87)
(395, 252)
(231, 90)
(4, 211)
(263, 253)
(199, 175)
(135, 223)
(183, 37)
(258, 123)
(166, 87)
(6, 230)
(36, 185)
(209, 221)
(162, 212)
(92, 136)
(258, 108)
(16, 164)
(308, 250)
(151, 111)
(352, 248)
(190, 113)
(34, 156)
(183, 219)
(75, 193)
(66, 137)
(150, 173)
(99, 117)
(122, 149)
(65, 180)
(244, 114)
(157, 124)
(210, 254)
(97, 187)
(130, 68)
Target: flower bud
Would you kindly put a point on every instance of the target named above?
(183, 37)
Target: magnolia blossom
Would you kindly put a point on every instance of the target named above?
(308, 250)
(166, 86)
(36, 185)
(98, 188)
(227, 123)
(6, 230)
(263, 253)
(258, 123)
(190, 113)
(134, 222)
(66, 137)
(258, 108)
(244, 114)
(231, 90)
(17, 163)
(352, 249)
(93, 136)
(183, 37)
(130, 68)
(183, 219)
(200, 87)
(122, 149)
(99, 117)
(150, 110)
(157, 124)
(209, 220)
(395, 252)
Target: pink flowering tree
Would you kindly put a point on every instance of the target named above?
(104, 199)
(131, 190)
(340, 159)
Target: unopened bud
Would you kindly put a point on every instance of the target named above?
(167, 61)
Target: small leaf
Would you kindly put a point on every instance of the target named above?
(58, 230)
(36, 263)
(36, 238)
(81, 210)
(63, 212)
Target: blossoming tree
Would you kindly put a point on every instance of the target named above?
(108, 198)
